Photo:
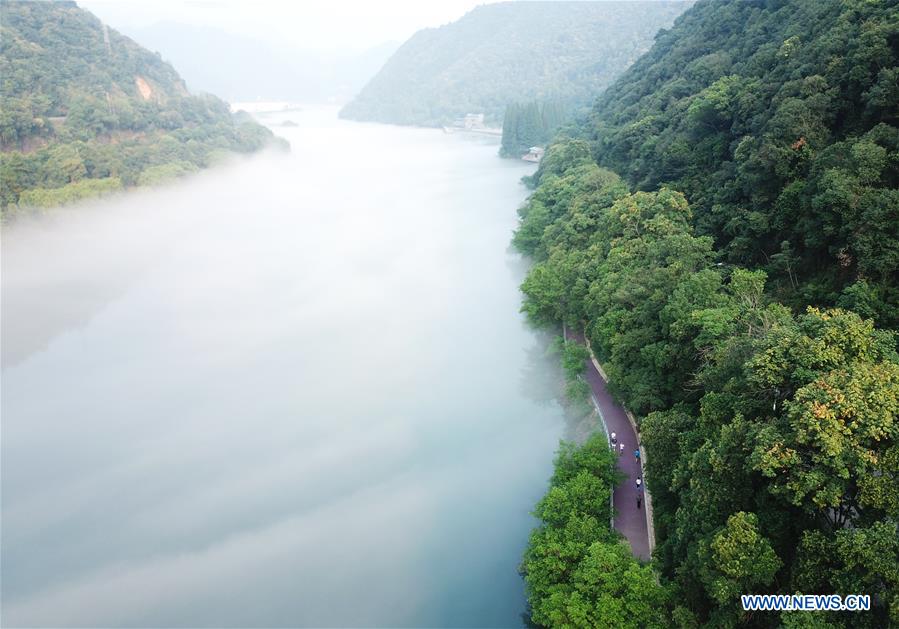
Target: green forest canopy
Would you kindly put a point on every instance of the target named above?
(84, 110)
(724, 226)
(778, 120)
(510, 52)
(578, 572)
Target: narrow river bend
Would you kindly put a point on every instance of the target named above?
(295, 390)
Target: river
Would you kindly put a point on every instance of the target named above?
(292, 390)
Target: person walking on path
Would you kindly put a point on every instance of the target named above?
(637, 455)
(639, 484)
(629, 519)
(614, 438)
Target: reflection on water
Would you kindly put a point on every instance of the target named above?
(295, 390)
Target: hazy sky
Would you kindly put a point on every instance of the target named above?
(353, 24)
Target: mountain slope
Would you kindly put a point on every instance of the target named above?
(780, 122)
(511, 51)
(84, 110)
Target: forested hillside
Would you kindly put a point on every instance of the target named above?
(726, 229)
(778, 120)
(84, 110)
(510, 52)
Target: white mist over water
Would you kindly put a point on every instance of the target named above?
(295, 390)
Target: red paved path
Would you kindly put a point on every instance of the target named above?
(629, 520)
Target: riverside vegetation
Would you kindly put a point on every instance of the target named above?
(85, 111)
(725, 226)
(531, 124)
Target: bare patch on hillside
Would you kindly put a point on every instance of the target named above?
(143, 87)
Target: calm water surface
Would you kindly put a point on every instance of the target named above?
(295, 390)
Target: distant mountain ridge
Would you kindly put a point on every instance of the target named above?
(241, 68)
(509, 52)
(85, 110)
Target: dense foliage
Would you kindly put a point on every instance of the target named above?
(510, 52)
(769, 433)
(530, 124)
(779, 120)
(743, 300)
(578, 572)
(84, 110)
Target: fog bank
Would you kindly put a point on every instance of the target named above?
(295, 390)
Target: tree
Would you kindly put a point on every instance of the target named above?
(739, 559)
(853, 560)
(651, 252)
(64, 165)
(837, 450)
(574, 357)
(609, 589)
(566, 554)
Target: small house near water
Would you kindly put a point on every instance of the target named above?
(534, 154)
